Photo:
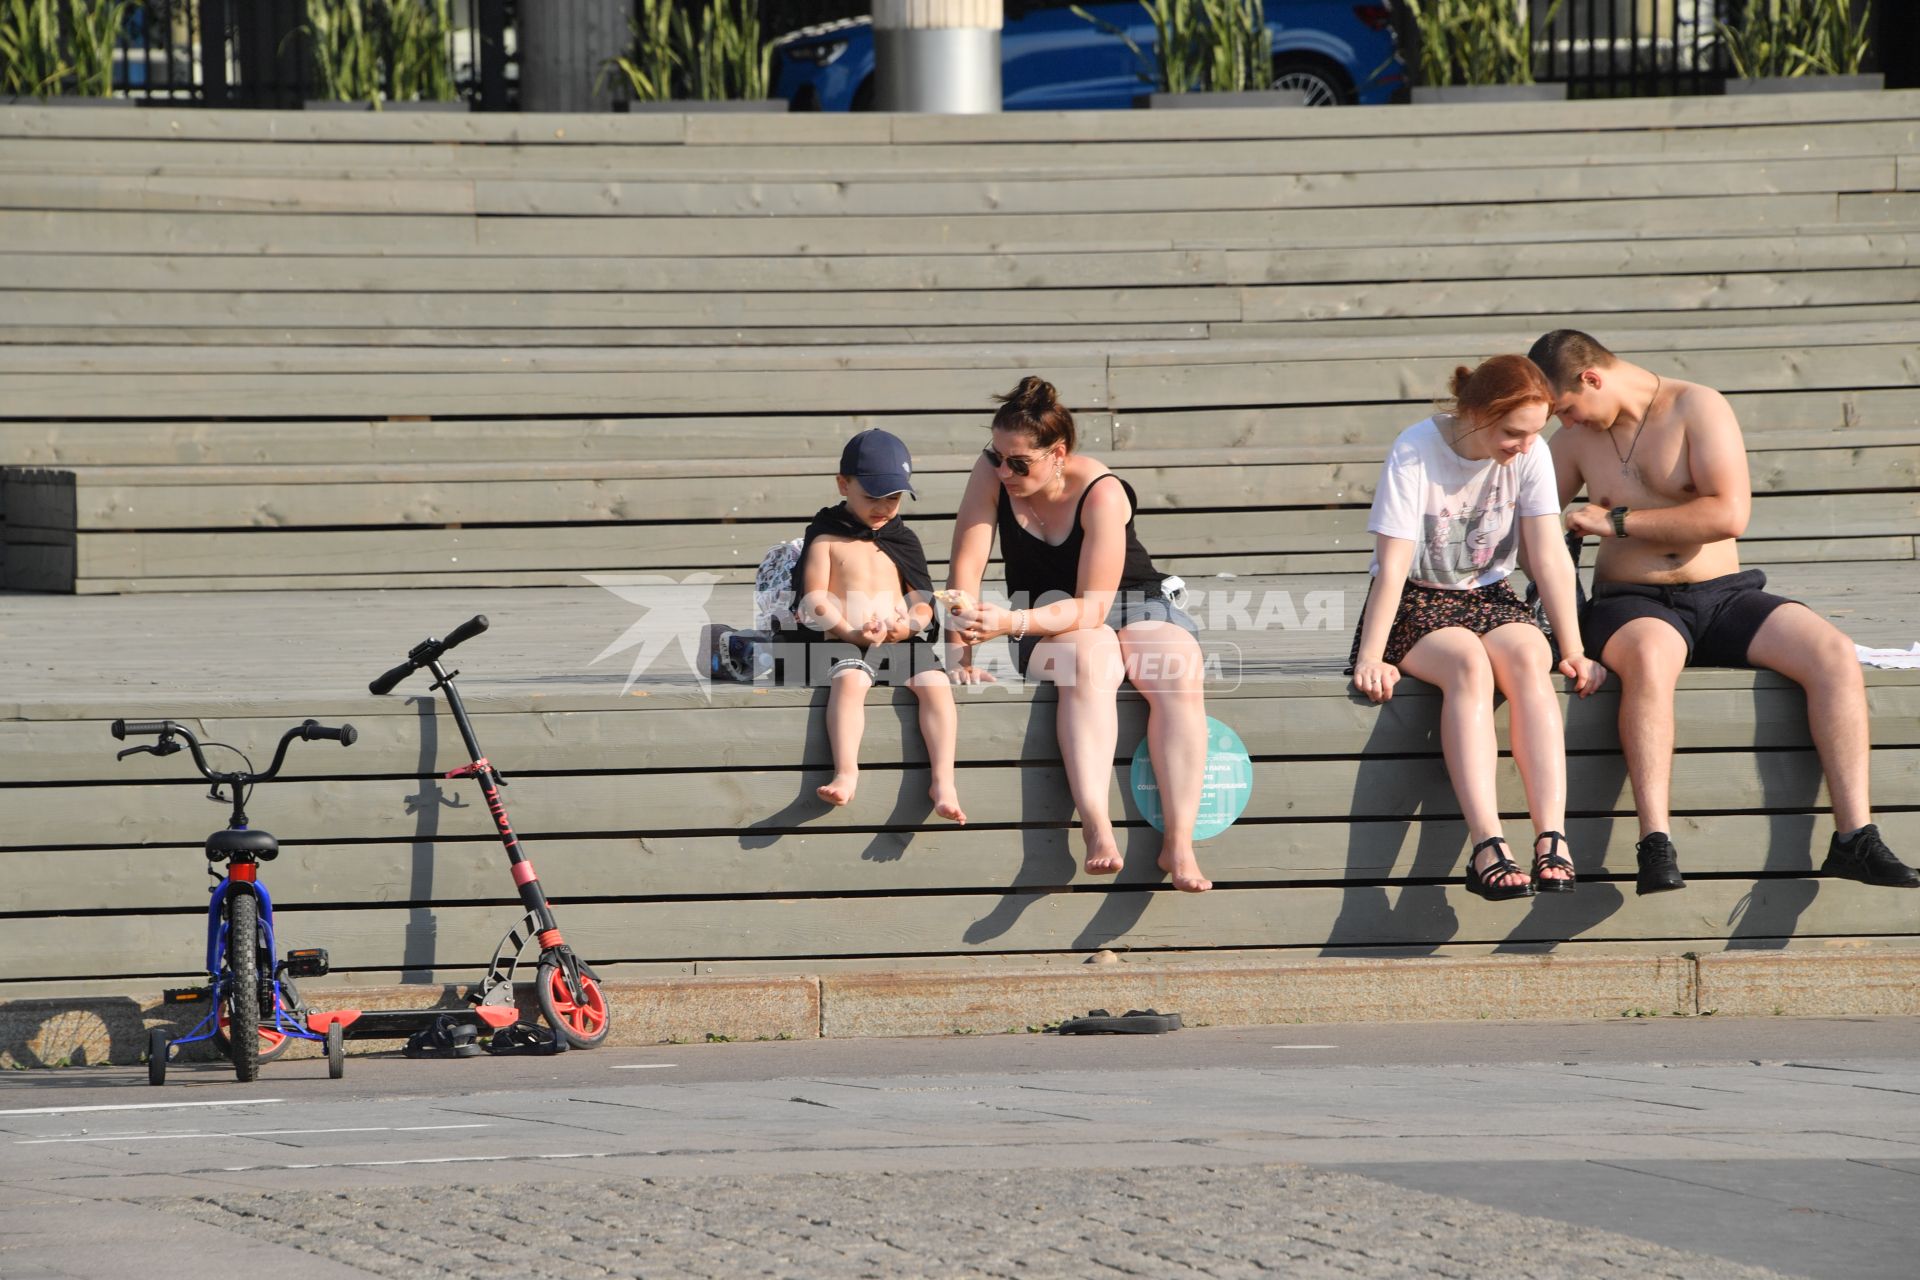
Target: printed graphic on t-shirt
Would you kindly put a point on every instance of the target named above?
(1463, 537)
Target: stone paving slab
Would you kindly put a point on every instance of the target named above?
(1072, 1224)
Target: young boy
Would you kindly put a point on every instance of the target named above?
(863, 607)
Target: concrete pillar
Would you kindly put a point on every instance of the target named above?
(937, 56)
(562, 48)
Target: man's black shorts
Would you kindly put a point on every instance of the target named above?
(1718, 617)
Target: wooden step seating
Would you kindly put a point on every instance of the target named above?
(681, 834)
(234, 275)
(1213, 492)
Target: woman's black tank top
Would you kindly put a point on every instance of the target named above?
(1037, 568)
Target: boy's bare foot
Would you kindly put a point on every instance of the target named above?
(1184, 869)
(1103, 855)
(840, 790)
(946, 802)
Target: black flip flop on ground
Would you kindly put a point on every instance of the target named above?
(1134, 1022)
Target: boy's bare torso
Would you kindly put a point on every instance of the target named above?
(864, 581)
(1655, 474)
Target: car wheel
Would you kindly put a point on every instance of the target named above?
(1319, 82)
(863, 96)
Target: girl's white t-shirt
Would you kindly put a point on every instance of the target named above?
(1459, 514)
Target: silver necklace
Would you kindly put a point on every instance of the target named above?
(1626, 467)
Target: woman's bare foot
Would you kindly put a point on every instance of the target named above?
(1103, 855)
(946, 802)
(840, 790)
(1184, 869)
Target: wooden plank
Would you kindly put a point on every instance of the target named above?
(448, 394)
(755, 309)
(1842, 552)
(872, 161)
(716, 339)
(235, 316)
(1498, 327)
(1010, 725)
(764, 195)
(755, 805)
(307, 234)
(376, 273)
(188, 497)
(1431, 915)
(1192, 379)
(806, 440)
(1206, 193)
(812, 129)
(226, 193)
(625, 548)
(948, 859)
(1422, 121)
(382, 273)
(621, 548)
(1595, 294)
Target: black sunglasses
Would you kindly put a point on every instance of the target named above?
(1020, 465)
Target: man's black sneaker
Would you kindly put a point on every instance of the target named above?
(1659, 865)
(1867, 859)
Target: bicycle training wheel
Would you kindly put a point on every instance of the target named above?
(584, 1023)
(243, 988)
(157, 1046)
(336, 1051)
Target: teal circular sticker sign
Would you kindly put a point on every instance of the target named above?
(1223, 797)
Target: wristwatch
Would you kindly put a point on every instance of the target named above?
(1619, 517)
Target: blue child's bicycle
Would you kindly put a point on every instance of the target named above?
(256, 1011)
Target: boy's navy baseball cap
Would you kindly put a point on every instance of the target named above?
(880, 462)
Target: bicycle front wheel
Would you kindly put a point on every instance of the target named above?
(243, 984)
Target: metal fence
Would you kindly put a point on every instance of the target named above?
(1631, 48)
(255, 53)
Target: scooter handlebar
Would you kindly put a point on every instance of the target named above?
(391, 678)
(465, 631)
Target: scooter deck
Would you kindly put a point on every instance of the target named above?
(399, 1024)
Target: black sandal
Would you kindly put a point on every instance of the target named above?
(1553, 860)
(1484, 882)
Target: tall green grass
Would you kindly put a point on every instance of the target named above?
(1798, 38)
(381, 50)
(1476, 41)
(44, 53)
(721, 59)
(1201, 46)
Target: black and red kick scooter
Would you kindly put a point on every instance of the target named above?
(567, 989)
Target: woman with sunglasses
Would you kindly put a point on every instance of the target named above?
(1088, 610)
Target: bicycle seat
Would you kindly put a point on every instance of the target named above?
(257, 845)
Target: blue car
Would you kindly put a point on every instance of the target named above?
(1051, 59)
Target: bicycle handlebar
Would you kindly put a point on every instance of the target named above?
(428, 651)
(308, 731)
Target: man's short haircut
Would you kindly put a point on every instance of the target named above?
(1565, 354)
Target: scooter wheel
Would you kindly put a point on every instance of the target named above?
(336, 1051)
(157, 1046)
(583, 1023)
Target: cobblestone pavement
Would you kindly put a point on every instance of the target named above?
(1036, 1224)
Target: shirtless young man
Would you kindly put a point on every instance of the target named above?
(1665, 473)
(864, 614)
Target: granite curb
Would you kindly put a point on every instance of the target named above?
(90, 1030)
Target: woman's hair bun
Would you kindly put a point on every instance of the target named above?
(1034, 408)
(1035, 395)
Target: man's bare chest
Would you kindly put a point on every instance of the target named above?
(1650, 471)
